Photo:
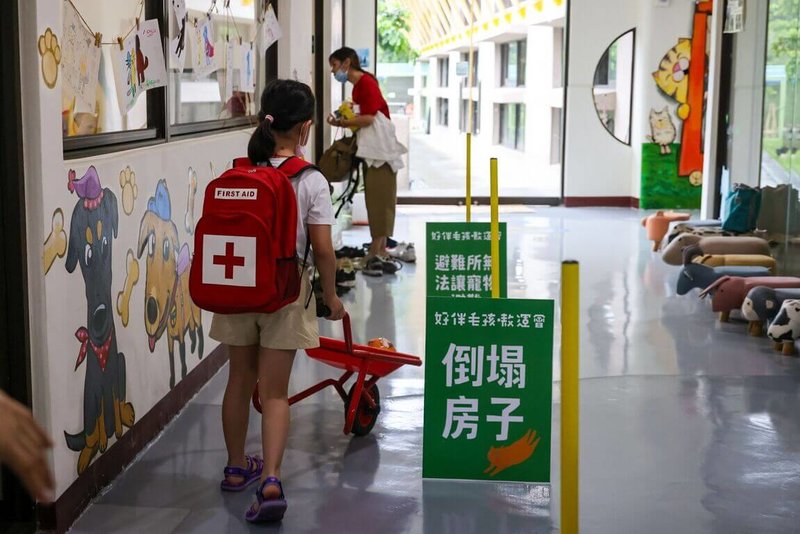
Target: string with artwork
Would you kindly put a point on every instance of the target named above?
(137, 60)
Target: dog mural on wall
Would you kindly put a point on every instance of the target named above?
(92, 230)
(167, 304)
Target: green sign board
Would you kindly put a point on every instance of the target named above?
(459, 260)
(488, 389)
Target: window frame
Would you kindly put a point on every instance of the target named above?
(159, 130)
(443, 64)
(521, 63)
(442, 103)
(518, 141)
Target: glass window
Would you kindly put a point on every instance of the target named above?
(476, 116)
(555, 137)
(512, 63)
(188, 104)
(197, 99)
(443, 111)
(512, 126)
(444, 70)
(465, 58)
(101, 16)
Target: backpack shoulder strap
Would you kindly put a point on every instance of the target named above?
(242, 162)
(294, 167)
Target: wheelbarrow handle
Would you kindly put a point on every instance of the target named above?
(348, 333)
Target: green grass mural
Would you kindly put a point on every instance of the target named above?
(662, 188)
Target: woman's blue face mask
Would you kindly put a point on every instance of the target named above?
(341, 76)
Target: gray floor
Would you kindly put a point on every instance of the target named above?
(686, 425)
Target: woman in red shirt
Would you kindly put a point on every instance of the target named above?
(380, 183)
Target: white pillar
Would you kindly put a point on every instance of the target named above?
(712, 112)
(538, 95)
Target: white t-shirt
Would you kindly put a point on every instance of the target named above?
(314, 205)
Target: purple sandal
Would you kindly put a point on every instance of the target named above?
(249, 475)
(266, 510)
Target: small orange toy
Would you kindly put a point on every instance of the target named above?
(657, 225)
(381, 343)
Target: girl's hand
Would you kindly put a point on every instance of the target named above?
(23, 448)
(336, 307)
(333, 121)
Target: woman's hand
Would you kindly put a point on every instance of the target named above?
(333, 121)
(336, 307)
(22, 448)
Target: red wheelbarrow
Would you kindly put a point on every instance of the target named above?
(363, 402)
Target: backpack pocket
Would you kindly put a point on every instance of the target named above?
(233, 268)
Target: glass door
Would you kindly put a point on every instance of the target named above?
(486, 79)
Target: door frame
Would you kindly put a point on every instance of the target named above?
(16, 507)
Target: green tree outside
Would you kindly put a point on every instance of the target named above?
(393, 28)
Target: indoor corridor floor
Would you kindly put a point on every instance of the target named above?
(687, 425)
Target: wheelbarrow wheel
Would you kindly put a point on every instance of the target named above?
(366, 416)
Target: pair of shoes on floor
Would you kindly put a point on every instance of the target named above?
(378, 266)
(345, 273)
(390, 243)
(263, 510)
(403, 252)
(350, 252)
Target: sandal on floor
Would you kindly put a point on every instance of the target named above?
(249, 475)
(267, 510)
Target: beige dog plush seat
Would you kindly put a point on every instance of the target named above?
(727, 260)
(657, 225)
(673, 253)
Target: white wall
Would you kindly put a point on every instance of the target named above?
(359, 31)
(295, 56)
(596, 164)
(58, 302)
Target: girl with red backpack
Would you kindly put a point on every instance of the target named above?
(262, 346)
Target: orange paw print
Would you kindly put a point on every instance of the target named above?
(501, 458)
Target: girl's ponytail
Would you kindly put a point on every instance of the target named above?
(262, 142)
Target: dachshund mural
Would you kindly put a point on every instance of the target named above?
(92, 231)
(167, 304)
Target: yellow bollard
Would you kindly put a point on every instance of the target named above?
(495, 227)
(468, 198)
(570, 408)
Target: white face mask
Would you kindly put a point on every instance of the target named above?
(300, 149)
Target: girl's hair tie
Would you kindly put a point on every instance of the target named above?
(269, 118)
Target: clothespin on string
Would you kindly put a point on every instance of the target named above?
(119, 40)
(98, 39)
(137, 24)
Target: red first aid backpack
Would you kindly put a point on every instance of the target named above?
(244, 245)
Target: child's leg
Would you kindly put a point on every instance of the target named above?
(242, 378)
(275, 368)
(377, 247)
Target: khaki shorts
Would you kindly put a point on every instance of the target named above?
(380, 191)
(290, 328)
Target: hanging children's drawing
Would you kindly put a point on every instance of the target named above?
(247, 81)
(139, 64)
(80, 61)
(230, 51)
(177, 46)
(203, 52)
(270, 29)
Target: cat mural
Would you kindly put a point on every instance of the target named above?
(672, 76)
(662, 130)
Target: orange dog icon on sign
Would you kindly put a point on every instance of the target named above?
(501, 458)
